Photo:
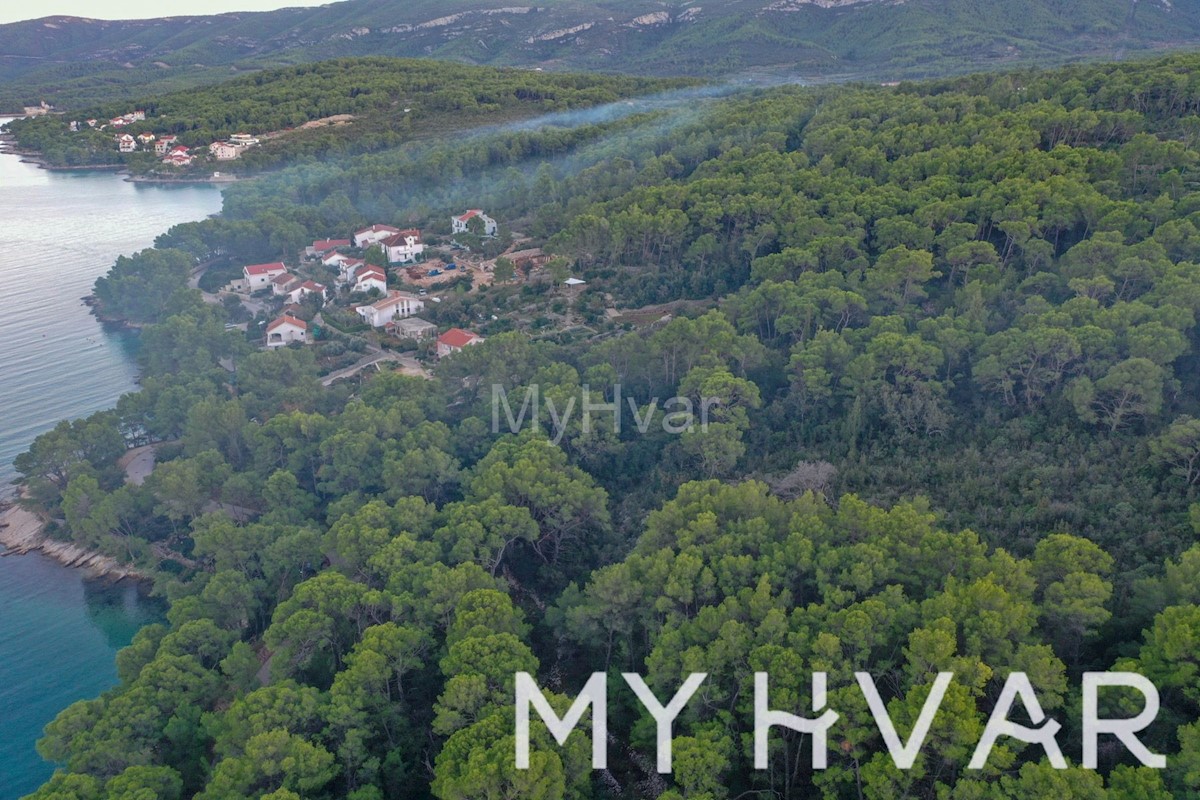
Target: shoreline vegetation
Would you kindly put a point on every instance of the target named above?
(23, 532)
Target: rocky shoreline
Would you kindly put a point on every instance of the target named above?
(23, 532)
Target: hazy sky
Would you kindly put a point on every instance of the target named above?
(138, 9)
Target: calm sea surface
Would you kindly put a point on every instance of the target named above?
(58, 233)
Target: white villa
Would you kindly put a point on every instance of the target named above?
(298, 293)
(394, 306)
(369, 278)
(403, 247)
(223, 151)
(376, 233)
(347, 269)
(459, 224)
(285, 330)
(260, 276)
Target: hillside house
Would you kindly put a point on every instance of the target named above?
(178, 157)
(347, 269)
(259, 276)
(373, 235)
(404, 247)
(461, 223)
(322, 247)
(395, 306)
(302, 291)
(368, 278)
(283, 284)
(145, 139)
(126, 143)
(455, 339)
(285, 330)
(163, 144)
(223, 151)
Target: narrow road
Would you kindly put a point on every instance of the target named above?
(408, 365)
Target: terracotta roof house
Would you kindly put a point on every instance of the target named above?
(403, 247)
(259, 276)
(322, 247)
(455, 339)
(460, 224)
(285, 330)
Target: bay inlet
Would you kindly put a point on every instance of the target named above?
(59, 231)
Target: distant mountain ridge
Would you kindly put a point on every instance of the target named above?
(66, 59)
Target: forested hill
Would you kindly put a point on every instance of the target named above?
(68, 60)
(948, 334)
(324, 110)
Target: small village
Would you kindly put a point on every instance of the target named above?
(371, 289)
(166, 147)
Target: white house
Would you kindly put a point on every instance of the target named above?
(337, 260)
(243, 140)
(145, 139)
(223, 151)
(347, 269)
(283, 284)
(259, 276)
(164, 144)
(303, 290)
(285, 330)
(455, 339)
(178, 157)
(368, 278)
(459, 224)
(403, 247)
(394, 306)
(126, 143)
(376, 233)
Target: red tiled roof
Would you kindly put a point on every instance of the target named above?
(401, 239)
(288, 319)
(457, 337)
(312, 286)
(322, 245)
(474, 212)
(282, 280)
(265, 269)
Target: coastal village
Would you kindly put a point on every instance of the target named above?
(167, 146)
(376, 292)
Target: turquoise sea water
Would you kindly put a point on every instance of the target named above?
(58, 233)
